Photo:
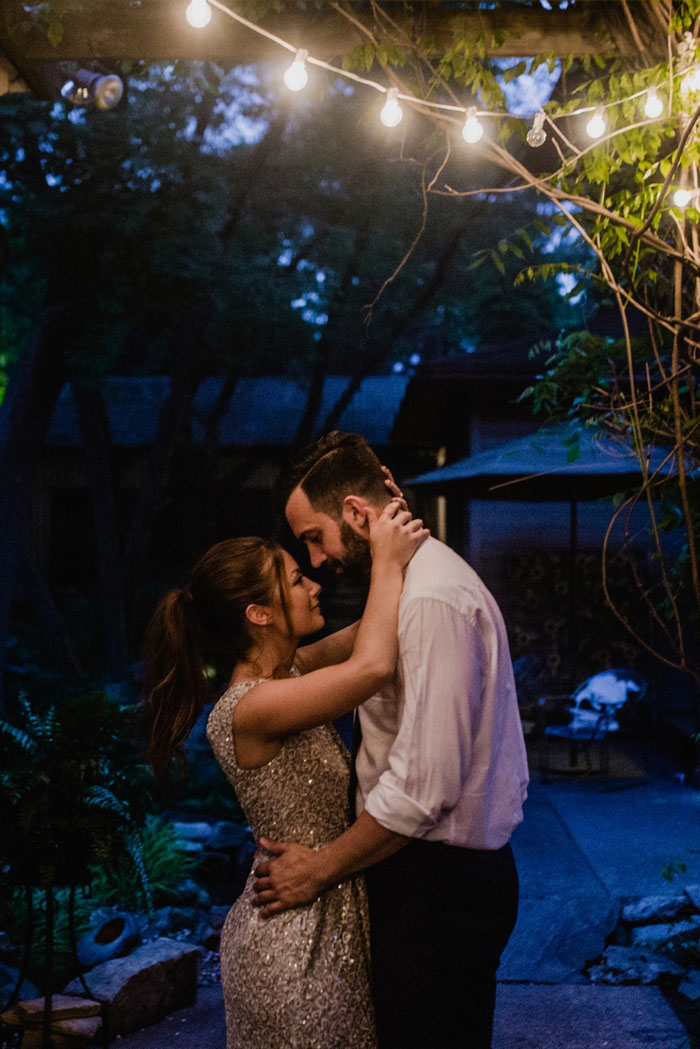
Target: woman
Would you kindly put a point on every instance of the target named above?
(300, 980)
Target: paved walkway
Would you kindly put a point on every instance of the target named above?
(583, 847)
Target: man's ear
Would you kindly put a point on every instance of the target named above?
(357, 512)
(258, 615)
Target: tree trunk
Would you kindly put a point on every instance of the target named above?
(35, 383)
(185, 378)
(55, 639)
(94, 429)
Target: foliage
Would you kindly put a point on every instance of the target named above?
(164, 862)
(69, 794)
(641, 250)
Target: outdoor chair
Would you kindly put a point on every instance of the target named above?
(588, 718)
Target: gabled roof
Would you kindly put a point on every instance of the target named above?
(263, 412)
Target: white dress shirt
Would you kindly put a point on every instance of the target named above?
(442, 754)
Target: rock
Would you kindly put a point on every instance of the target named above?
(11, 1031)
(226, 835)
(665, 933)
(156, 979)
(624, 965)
(655, 909)
(8, 981)
(188, 893)
(209, 969)
(7, 949)
(110, 937)
(63, 1007)
(217, 915)
(169, 921)
(693, 894)
(199, 832)
(690, 985)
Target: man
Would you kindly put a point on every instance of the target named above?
(441, 770)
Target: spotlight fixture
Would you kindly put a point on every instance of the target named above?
(87, 88)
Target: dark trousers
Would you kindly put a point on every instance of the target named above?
(440, 917)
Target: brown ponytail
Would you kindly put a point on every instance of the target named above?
(206, 616)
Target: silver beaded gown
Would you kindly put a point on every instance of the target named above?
(297, 980)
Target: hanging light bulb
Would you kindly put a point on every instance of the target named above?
(473, 129)
(653, 107)
(296, 76)
(391, 113)
(198, 13)
(682, 198)
(596, 125)
(537, 136)
(690, 83)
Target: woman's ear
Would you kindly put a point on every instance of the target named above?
(258, 615)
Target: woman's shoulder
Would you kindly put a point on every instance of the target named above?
(222, 711)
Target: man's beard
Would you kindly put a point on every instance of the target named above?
(356, 563)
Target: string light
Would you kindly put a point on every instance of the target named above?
(198, 13)
(296, 77)
(473, 129)
(391, 113)
(537, 136)
(653, 107)
(682, 198)
(690, 84)
(596, 126)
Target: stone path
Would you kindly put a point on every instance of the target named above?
(583, 848)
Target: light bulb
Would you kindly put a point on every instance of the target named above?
(682, 198)
(296, 76)
(472, 130)
(391, 114)
(198, 13)
(653, 107)
(596, 125)
(691, 81)
(537, 136)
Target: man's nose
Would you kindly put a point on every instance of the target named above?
(317, 557)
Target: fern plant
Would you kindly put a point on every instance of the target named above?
(69, 796)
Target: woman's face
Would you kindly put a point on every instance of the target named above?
(302, 600)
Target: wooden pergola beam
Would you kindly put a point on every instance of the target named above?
(158, 31)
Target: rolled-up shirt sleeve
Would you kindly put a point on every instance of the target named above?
(440, 682)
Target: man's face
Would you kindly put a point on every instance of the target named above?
(337, 545)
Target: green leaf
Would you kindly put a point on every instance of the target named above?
(55, 30)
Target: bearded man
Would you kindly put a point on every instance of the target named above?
(441, 775)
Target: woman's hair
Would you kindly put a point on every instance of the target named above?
(207, 617)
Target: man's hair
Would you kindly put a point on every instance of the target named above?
(334, 466)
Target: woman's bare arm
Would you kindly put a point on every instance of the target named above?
(335, 648)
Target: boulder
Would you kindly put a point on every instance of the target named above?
(227, 835)
(665, 933)
(693, 894)
(63, 1007)
(625, 965)
(690, 985)
(188, 893)
(200, 832)
(142, 988)
(8, 981)
(217, 915)
(656, 909)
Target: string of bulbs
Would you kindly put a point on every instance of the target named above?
(199, 13)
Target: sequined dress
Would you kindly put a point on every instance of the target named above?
(298, 980)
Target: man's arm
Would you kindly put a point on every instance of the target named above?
(299, 875)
